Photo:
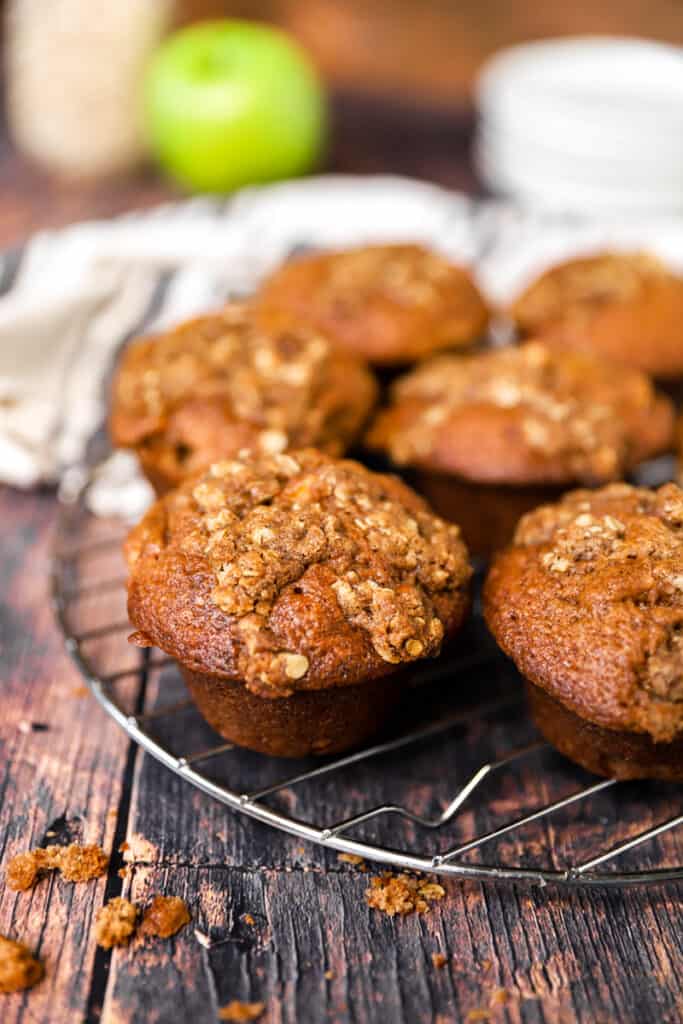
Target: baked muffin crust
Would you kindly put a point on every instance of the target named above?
(626, 306)
(218, 383)
(588, 602)
(391, 304)
(523, 415)
(294, 572)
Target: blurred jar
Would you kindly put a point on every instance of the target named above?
(74, 71)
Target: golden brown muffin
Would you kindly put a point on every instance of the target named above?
(625, 306)
(292, 590)
(390, 304)
(218, 384)
(588, 602)
(489, 432)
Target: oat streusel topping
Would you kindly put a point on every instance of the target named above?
(269, 553)
(571, 407)
(263, 523)
(616, 549)
(577, 287)
(287, 383)
(405, 274)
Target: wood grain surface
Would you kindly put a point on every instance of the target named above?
(275, 920)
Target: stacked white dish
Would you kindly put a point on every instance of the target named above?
(584, 124)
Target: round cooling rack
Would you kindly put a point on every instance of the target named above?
(469, 779)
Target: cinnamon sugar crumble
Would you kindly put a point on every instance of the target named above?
(263, 523)
(402, 893)
(239, 1012)
(617, 549)
(287, 383)
(350, 858)
(19, 969)
(115, 923)
(579, 286)
(570, 406)
(165, 916)
(75, 863)
(408, 275)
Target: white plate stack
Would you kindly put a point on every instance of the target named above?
(591, 124)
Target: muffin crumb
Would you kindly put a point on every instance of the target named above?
(402, 894)
(439, 960)
(75, 863)
(19, 969)
(541, 416)
(364, 550)
(165, 916)
(115, 923)
(350, 858)
(238, 1012)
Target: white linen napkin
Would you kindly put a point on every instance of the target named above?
(73, 297)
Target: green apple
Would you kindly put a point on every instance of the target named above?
(231, 102)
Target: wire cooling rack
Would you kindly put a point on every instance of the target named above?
(472, 779)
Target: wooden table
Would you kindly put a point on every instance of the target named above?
(315, 952)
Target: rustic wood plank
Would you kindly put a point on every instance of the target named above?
(560, 956)
(61, 771)
(555, 957)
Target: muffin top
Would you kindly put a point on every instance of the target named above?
(219, 383)
(627, 306)
(588, 602)
(524, 415)
(391, 304)
(295, 571)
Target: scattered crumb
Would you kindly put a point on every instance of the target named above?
(19, 969)
(79, 863)
(486, 965)
(115, 923)
(50, 834)
(203, 939)
(80, 691)
(350, 858)
(139, 850)
(439, 960)
(248, 919)
(237, 1011)
(478, 1015)
(165, 916)
(23, 869)
(76, 864)
(301, 849)
(330, 975)
(499, 997)
(123, 872)
(402, 893)
(113, 813)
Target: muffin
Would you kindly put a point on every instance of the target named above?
(625, 306)
(218, 384)
(390, 304)
(295, 591)
(492, 435)
(588, 603)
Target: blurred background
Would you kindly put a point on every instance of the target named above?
(400, 73)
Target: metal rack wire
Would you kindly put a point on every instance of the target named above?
(87, 548)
